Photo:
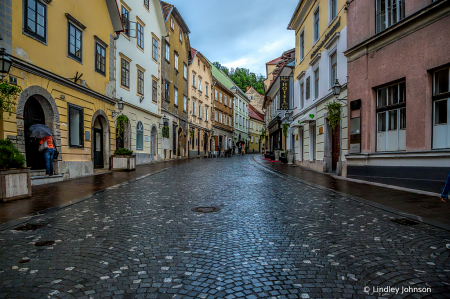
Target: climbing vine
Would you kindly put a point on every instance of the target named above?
(121, 122)
(165, 132)
(334, 114)
(263, 134)
(8, 95)
(192, 132)
(285, 129)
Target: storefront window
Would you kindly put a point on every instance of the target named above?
(441, 109)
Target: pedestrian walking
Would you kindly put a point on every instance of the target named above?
(46, 145)
(240, 148)
(444, 195)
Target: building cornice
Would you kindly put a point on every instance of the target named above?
(35, 70)
(223, 129)
(142, 109)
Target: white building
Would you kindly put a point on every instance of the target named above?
(138, 73)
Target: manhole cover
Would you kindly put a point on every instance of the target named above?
(205, 209)
(29, 226)
(404, 221)
(44, 243)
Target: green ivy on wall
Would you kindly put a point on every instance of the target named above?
(8, 95)
(165, 132)
(334, 114)
(285, 129)
(121, 122)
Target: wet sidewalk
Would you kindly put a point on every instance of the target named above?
(425, 208)
(46, 197)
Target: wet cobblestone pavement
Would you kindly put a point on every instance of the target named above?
(273, 237)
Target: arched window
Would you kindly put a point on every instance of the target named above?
(139, 136)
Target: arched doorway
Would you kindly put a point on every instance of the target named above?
(33, 114)
(154, 143)
(100, 144)
(205, 144)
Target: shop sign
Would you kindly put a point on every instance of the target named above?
(284, 92)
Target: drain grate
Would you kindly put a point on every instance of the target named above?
(44, 243)
(405, 221)
(205, 209)
(29, 226)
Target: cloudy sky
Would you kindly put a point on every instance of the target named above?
(239, 33)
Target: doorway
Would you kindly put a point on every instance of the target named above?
(335, 148)
(98, 144)
(154, 143)
(33, 114)
(205, 143)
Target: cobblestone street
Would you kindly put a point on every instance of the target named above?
(273, 237)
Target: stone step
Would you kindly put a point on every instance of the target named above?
(38, 172)
(42, 179)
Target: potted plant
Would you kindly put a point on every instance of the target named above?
(290, 156)
(277, 155)
(15, 180)
(123, 159)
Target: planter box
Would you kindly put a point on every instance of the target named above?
(15, 183)
(122, 162)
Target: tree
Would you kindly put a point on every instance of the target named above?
(243, 78)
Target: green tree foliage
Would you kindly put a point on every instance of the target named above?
(243, 78)
(10, 156)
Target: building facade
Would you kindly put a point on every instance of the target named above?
(321, 40)
(256, 99)
(241, 103)
(256, 127)
(138, 71)
(222, 116)
(63, 60)
(398, 91)
(176, 53)
(200, 105)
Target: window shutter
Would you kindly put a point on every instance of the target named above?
(308, 87)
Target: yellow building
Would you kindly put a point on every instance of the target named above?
(320, 42)
(62, 55)
(176, 52)
(255, 128)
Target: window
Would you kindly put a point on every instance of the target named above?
(181, 36)
(140, 82)
(154, 91)
(199, 84)
(75, 42)
(220, 97)
(308, 87)
(155, 49)
(215, 116)
(316, 84)
(198, 61)
(35, 15)
(316, 25)
(206, 89)
(76, 126)
(441, 109)
(215, 94)
(146, 4)
(100, 59)
(389, 12)
(333, 68)
(200, 110)
(252, 139)
(140, 35)
(225, 100)
(302, 94)
(176, 61)
(391, 118)
(185, 71)
(166, 91)
(302, 45)
(206, 113)
(184, 103)
(333, 9)
(167, 52)
(193, 80)
(125, 73)
(175, 96)
(220, 118)
(193, 107)
(230, 102)
(236, 118)
(126, 20)
(172, 24)
(139, 136)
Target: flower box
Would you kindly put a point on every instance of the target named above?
(122, 162)
(15, 183)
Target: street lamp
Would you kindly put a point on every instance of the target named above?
(120, 105)
(5, 62)
(165, 120)
(337, 88)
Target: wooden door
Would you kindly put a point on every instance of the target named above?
(335, 147)
(98, 148)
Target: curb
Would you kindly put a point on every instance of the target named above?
(16, 222)
(361, 200)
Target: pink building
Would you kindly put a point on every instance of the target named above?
(398, 92)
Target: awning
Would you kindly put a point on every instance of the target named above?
(309, 116)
